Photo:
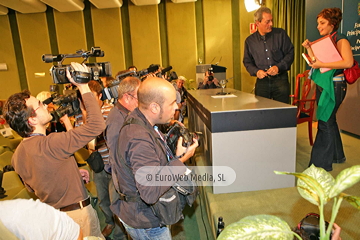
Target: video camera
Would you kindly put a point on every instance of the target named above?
(111, 89)
(58, 72)
(67, 104)
(172, 76)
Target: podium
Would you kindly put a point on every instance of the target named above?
(219, 72)
(252, 135)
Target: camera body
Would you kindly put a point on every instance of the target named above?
(111, 90)
(67, 104)
(97, 70)
(177, 130)
(58, 72)
(310, 225)
(173, 76)
(211, 74)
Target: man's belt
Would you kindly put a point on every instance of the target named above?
(76, 206)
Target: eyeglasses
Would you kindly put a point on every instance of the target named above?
(132, 96)
(40, 104)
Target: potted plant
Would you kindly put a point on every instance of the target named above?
(315, 185)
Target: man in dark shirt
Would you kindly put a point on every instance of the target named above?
(127, 102)
(144, 146)
(268, 55)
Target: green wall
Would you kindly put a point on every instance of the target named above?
(167, 34)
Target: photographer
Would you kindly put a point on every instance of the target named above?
(46, 163)
(209, 81)
(141, 146)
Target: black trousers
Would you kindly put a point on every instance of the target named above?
(328, 148)
(274, 87)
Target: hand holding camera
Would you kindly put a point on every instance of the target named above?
(77, 73)
(184, 153)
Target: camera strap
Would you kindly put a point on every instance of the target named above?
(124, 165)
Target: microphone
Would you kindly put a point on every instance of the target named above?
(218, 61)
(152, 69)
(212, 60)
(147, 70)
(166, 70)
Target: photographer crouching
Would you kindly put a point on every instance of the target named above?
(45, 163)
(209, 80)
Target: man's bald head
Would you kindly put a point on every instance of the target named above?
(153, 89)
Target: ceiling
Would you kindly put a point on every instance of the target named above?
(36, 6)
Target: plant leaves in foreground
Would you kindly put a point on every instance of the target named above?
(353, 200)
(345, 179)
(325, 179)
(258, 227)
(311, 189)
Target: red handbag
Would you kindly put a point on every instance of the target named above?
(352, 74)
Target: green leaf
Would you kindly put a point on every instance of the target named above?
(313, 183)
(258, 227)
(323, 178)
(346, 178)
(353, 200)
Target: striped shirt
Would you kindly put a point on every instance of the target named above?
(100, 143)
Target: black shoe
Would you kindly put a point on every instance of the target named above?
(2, 196)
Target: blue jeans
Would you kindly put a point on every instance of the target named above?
(158, 233)
(274, 87)
(107, 194)
(328, 148)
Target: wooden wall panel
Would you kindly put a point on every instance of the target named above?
(177, 45)
(108, 35)
(145, 35)
(181, 32)
(218, 35)
(9, 80)
(70, 31)
(35, 42)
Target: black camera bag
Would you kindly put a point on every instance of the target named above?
(95, 162)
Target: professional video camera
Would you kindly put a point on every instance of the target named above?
(67, 104)
(111, 89)
(58, 72)
(177, 130)
(172, 76)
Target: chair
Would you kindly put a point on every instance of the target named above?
(304, 99)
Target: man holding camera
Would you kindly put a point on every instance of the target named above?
(46, 163)
(143, 145)
(209, 80)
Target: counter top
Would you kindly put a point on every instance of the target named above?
(240, 111)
